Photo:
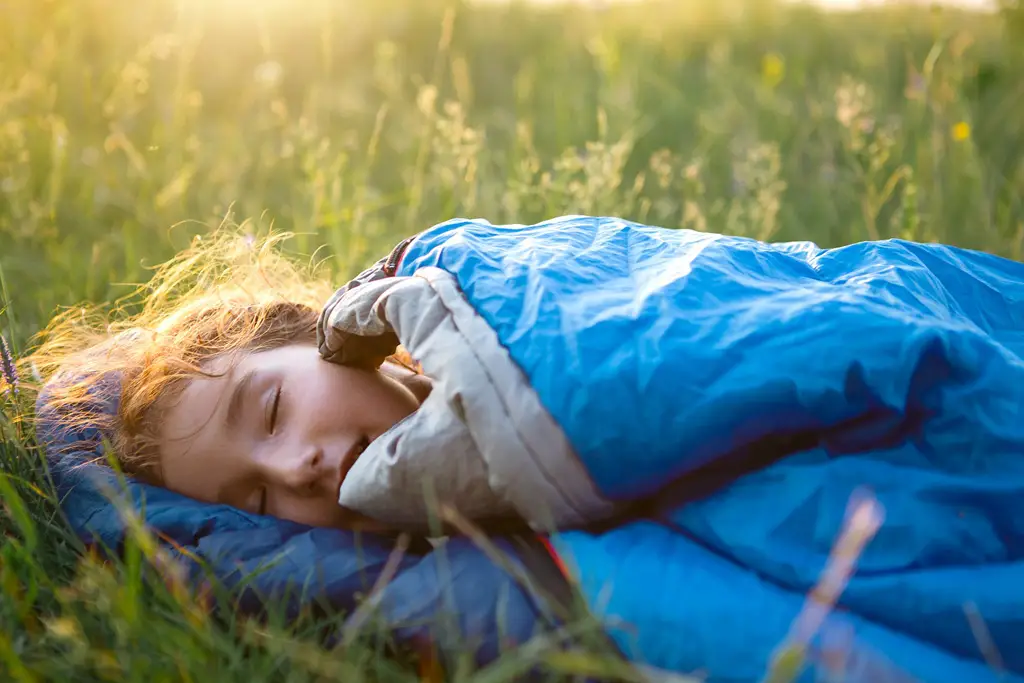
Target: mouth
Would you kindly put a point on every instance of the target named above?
(348, 460)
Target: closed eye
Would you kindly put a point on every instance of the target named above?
(272, 410)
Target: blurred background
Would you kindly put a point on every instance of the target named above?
(128, 127)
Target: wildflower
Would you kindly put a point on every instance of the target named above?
(773, 69)
(268, 74)
(426, 100)
(961, 131)
(65, 628)
(917, 86)
(10, 373)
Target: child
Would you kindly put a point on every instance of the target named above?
(223, 395)
(708, 408)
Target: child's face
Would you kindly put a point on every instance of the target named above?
(277, 434)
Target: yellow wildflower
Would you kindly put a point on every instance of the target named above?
(773, 69)
(961, 131)
(65, 628)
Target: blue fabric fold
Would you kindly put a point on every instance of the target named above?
(892, 368)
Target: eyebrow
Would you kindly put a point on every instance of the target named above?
(234, 410)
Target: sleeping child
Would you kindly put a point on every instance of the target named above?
(673, 425)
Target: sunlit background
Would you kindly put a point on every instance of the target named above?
(987, 5)
(126, 128)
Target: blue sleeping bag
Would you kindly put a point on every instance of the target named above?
(691, 414)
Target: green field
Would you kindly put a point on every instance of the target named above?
(127, 128)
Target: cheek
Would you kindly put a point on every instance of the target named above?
(325, 393)
(357, 398)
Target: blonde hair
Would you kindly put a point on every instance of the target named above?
(226, 293)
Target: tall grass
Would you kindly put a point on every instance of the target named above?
(127, 128)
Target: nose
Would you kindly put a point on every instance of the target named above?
(303, 470)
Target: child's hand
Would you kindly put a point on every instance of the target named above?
(352, 328)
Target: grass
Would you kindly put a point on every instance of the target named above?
(127, 128)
